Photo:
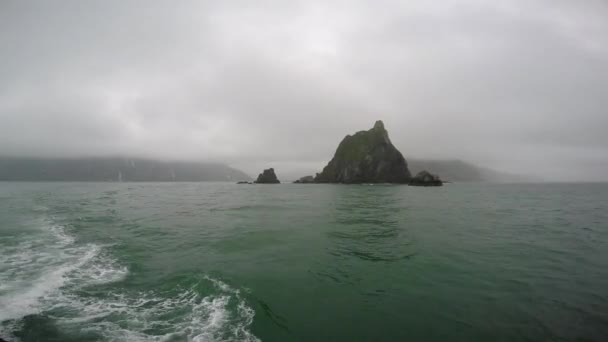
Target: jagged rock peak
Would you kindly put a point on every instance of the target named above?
(379, 125)
(268, 177)
(366, 157)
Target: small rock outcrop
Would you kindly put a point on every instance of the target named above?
(425, 178)
(267, 177)
(239, 182)
(366, 157)
(305, 180)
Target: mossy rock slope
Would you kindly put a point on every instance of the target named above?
(366, 157)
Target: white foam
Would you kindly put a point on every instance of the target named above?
(40, 208)
(45, 272)
(27, 301)
(60, 235)
(221, 285)
(184, 316)
(35, 270)
(100, 270)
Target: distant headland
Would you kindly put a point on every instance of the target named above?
(363, 157)
(114, 169)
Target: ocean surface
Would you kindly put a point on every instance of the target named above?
(227, 262)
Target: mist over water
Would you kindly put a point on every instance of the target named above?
(124, 126)
(220, 261)
(514, 86)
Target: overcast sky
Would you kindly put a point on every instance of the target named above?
(520, 86)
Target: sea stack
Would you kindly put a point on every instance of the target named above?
(267, 177)
(425, 178)
(366, 157)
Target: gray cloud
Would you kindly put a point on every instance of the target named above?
(515, 85)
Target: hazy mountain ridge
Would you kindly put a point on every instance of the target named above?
(114, 169)
(101, 169)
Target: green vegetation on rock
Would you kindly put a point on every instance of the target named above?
(366, 157)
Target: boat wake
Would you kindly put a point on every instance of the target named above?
(46, 272)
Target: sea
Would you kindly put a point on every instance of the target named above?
(303, 262)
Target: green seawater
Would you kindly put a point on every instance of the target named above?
(227, 262)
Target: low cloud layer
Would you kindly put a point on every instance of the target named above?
(514, 85)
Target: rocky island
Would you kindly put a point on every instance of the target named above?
(305, 180)
(366, 157)
(425, 178)
(267, 177)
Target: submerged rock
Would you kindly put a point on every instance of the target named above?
(305, 180)
(425, 178)
(366, 157)
(268, 177)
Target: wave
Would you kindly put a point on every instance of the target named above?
(156, 316)
(48, 272)
(37, 266)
